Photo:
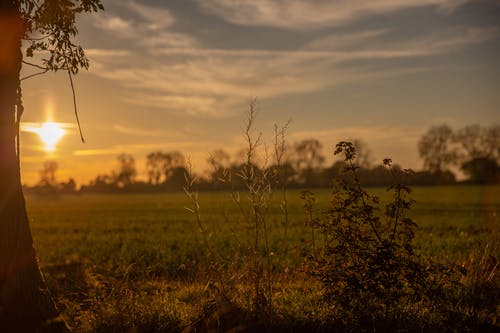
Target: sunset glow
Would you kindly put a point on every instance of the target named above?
(177, 76)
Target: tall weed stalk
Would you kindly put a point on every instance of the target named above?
(261, 182)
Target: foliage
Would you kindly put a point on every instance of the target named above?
(48, 173)
(435, 148)
(51, 26)
(160, 166)
(368, 265)
(482, 170)
(364, 156)
(308, 158)
(478, 142)
(473, 149)
(126, 171)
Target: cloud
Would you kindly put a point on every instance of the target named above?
(213, 82)
(341, 41)
(310, 14)
(453, 40)
(186, 104)
(156, 18)
(104, 53)
(402, 134)
(122, 129)
(145, 26)
(144, 148)
(114, 24)
(172, 71)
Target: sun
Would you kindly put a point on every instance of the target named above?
(50, 133)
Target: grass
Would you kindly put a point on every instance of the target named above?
(138, 263)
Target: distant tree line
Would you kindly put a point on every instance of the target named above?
(473, 149)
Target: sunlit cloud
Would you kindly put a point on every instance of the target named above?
(115, 24)
(454, 39)
(141, 132)
(367, 133)
(337, 41)
(146, 27)
(183, 104)
(186, 146)
(156, 18)
(181, 76)
(105, 53)
(306, 14)
(213, 82)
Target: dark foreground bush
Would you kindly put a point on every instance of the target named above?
(370, 271)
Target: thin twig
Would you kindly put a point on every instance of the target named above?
(38, 38)
(33, 75)
(34, 65)
(357, 183)
(193, 195)
(74, 105)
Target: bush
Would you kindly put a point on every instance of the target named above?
(367, 264)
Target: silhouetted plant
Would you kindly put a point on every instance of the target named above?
(368, 266)
(259, 182)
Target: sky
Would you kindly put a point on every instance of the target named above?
(178, 75)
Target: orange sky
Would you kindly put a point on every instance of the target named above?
(177, 75)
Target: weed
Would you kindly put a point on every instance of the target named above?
(260, 184)
(368, 266)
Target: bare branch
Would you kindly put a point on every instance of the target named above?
(35, 65)
(74, 105)
(38, 38)
(33, 75)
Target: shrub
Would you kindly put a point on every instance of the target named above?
(367, 263)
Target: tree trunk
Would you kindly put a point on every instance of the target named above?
(25, 302)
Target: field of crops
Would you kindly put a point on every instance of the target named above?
(140, 263)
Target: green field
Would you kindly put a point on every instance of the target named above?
(140, 263)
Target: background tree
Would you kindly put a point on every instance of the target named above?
(436, 148)
(173, 160)
(126, 173)
(479, 155)
(161, 165)
(177, 179)
(492, 142)
(472, 140)
(364, 157)
(219, 161)
(154, 167)
(478, 142)
(48, 174)
(482, 170)
(68, 186)
(308, 158)
(48, 26)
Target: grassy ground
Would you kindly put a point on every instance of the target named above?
(118, 263)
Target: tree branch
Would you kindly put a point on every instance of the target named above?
(74, 106)
(34, 65)
(33, 75)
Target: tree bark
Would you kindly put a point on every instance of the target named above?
(25, 302)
